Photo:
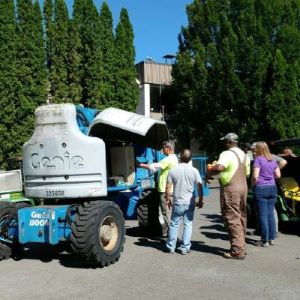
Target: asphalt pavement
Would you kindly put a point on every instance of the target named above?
(146, 272)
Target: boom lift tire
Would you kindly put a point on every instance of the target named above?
(98, 233)
(148, 212)
(9, 210)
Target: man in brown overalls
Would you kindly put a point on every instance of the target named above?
(233, 166)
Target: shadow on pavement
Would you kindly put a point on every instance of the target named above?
(216, 218)
(156, 244)
(215, 235)
(201, 247)
(142, 233)
(217, 227)
(196, 246)
(48, 253)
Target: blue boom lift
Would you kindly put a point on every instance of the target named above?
(80, 181)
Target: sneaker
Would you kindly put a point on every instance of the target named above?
(262, 244)
(184, 252)
(168, 250)
(230, 255)
(272, 242)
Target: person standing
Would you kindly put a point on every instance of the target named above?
(184, 178)
(265, 171)
(279, 159)
(163, 167)
(233, 166)
(281, 162)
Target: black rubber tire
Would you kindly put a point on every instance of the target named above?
(5, 251)
(10, 249)
(148, 212)
(85, 236)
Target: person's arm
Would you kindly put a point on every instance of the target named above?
(142, 165)
(247, 170)
(277, 173)
(153, 167)
(199, 204)
(282, 163)
(168, 194)
(214, 170)
(198, 182)
(219, 167)
(255, 175)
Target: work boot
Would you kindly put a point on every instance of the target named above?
(230, 255)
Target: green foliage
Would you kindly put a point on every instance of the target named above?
(8, 79)
(49, 30)
(87, 23)
(237, 70)
(60, 59)
(74, 64)
(58, 72)
(31, 71)
(126, 88)
(108, 56)
(283, 100)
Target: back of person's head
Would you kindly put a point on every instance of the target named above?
(169, 144)
(262, 149)
(185, 155)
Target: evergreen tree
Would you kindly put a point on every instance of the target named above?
(283, 102)
(8, 79)
(49, 31)
(74, 59)
(60, 39)
(31, 70)
(126, 88)
(108, 55)
(229, 70)
(48, 14)
(87, 23)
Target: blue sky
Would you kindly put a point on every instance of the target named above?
(156, 24)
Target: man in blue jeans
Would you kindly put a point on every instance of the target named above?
(184, 178)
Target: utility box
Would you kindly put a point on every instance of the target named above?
(122, 163)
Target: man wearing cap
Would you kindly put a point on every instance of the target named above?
(163, 166)
(233, 166)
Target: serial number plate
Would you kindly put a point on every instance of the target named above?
(55, 193)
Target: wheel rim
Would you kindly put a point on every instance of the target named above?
(108, 233)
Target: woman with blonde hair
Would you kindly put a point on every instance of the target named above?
(265, 171)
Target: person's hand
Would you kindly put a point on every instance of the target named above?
(208, 178)
(199, 204)
(169, 203)
(137, 163)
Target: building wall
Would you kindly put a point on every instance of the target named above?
(154, 73)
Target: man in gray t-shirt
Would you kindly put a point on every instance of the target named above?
(184, 178)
